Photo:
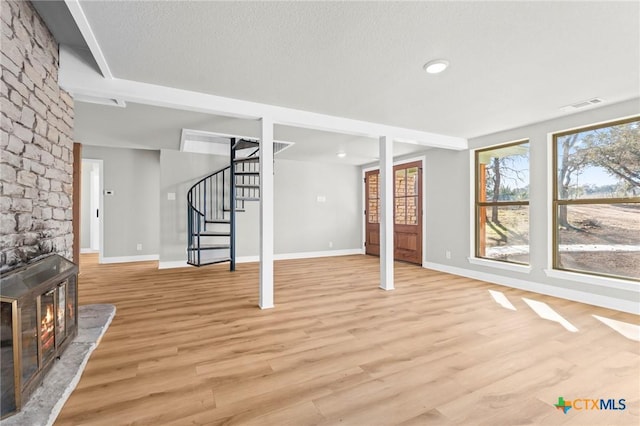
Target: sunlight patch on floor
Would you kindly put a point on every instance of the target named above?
(502, 300)
(630, 331)
(545, 312)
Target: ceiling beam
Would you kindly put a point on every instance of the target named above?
(89, 37)
(87, 33)
(79, 78)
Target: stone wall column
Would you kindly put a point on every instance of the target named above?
(36, 161)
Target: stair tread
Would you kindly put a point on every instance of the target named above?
(247, 199)
(217, 221)
(212, 234)
(247, 160)
(209, 247)
(210, 262)
(246, 173)
(239, 185)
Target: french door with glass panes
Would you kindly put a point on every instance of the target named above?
(407, 212)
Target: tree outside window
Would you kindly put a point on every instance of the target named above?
(502, 203)
(597, 200)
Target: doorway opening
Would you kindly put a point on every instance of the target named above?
(91, 210)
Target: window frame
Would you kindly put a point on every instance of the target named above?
(556, 201)
(478, 205)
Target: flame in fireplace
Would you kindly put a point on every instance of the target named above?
(48, 318)
(46, 328)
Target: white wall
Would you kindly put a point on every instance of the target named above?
(302, 224)
(449, 193)
(140, 211)
(178, 172)
(131, 214)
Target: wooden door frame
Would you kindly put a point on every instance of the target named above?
(399, 228)
(363, 201)
(367, 225)
(76, 199)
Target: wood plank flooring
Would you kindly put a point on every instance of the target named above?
(190, 347)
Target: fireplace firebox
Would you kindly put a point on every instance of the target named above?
(38, 312)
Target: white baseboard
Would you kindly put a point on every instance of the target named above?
(88, 250)
(174, 264)
(303, 255)
(631, 307)
(126, 259)
(281, 256)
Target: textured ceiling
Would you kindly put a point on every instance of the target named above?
(512, 63)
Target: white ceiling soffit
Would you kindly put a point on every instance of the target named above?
(141, 126)
(202, 142)
(511, 63)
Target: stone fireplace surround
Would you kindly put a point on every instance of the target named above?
(36, 157)
(36, 145)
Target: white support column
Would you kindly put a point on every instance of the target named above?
(386, 213)
(266, 214)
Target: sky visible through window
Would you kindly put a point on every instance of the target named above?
(595, 176)
(596, 159)
(591, 175)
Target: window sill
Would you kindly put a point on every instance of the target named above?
(593, 279)
(525, 269)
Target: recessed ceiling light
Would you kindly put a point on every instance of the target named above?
(436, 66)
(341, 154)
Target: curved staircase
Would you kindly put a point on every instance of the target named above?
(213, 201)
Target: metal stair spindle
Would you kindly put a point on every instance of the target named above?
(232, 206)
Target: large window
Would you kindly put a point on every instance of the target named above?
(596, 203)
(502, 203)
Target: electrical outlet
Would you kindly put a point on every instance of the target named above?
(447, 254)
(139, 247)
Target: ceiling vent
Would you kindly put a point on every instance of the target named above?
(98, 100)
(279, 146)
(201, 142)
(582, 104)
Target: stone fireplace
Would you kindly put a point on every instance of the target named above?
(38, 314)
(36, 197)
(36, 165)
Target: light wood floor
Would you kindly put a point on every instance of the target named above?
(189, 346)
